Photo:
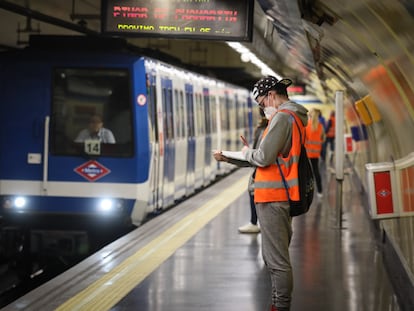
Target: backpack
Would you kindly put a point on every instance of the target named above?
(305, 178)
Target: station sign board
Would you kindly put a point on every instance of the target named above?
(229, 20)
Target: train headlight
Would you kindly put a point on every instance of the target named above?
(106, 205)
(110, 206)
(20, 202)
(14, 204)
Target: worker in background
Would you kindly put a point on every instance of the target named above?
(315, 137)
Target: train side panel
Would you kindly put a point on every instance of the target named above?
(165, 121)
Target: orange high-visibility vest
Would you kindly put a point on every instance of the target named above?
(313, 143)
(268, 183)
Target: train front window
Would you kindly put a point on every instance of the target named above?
(91, 112)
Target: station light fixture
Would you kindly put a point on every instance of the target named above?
(248, 56)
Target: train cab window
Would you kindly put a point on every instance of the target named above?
(91, 108)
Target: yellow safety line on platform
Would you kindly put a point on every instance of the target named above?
(116, 284)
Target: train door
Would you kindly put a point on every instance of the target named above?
(233, 138)
(223, 129)
(216, 127)
(189, 103)
(208, 172)
(241, 117)
(225, 121)
(252, 116)
(200, 137)
(156, 145)
(181, 145)
(169, 142)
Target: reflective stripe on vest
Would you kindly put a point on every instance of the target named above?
(313, 142)
(268, 184)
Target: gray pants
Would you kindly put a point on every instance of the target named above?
(276, 230)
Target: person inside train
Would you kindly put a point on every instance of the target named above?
(252, 226)
(279, 141)
(96, 130)
(315, 137)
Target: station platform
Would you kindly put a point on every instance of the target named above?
(192, 257)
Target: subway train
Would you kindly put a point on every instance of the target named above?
(165, 121)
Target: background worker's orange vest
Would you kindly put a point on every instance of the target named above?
(313, 143)
(331, 130)
(268, 183)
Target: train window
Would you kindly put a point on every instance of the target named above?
(176, 115)
(200, 114)
(168, 113)
(238, 114)
(183, 121)
(179, 114)
(241, 114)
(152, 111)
(246, 114)
(213, 113)
(207, 113)
(164, 108)
(190, 114)
(231, 113)
(92, 104)
(224, 119)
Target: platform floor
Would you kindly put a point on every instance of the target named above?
(337, 265)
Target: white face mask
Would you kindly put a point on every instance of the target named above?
(269, 112)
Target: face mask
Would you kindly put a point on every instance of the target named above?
(269, 112)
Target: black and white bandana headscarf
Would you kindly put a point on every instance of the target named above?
(268, 83)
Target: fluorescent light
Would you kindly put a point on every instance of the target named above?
(248, 56)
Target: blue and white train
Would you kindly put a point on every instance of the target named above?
(166, 122)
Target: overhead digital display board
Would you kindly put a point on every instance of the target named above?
(230, 20)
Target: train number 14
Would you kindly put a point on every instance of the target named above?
(92, 146)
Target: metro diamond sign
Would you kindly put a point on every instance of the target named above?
(92, 170)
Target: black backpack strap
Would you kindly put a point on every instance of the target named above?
(294, 116)
(283, 179)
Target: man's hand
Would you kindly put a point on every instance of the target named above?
(219, 156)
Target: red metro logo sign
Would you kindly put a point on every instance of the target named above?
(92, 170)
(198, 19)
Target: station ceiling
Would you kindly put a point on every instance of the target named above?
(321, 43)
(21, 18)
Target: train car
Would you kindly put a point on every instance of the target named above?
(165, 122)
